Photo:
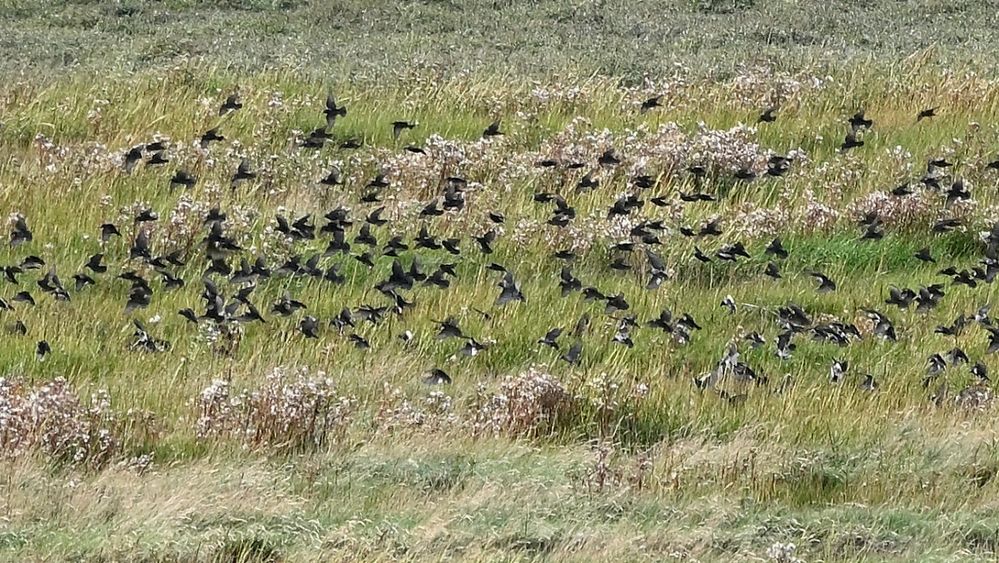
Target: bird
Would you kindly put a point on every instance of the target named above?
(769, 115)
(772, 271)
(42, 349)
(211, 136)
(309, 326)
(230, 104)
(923, 254)
(869, 383)
(851, 141)
(550, 338)
(651, 103)
(493, 130)
(926, 113)
(332, 111)
(437, 376)
(399, 126)
(243, 172)
(574, 354)
(183, 178)
(860, 121)
(20, 233)
(777, 249)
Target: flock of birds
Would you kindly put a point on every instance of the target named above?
(357, 238)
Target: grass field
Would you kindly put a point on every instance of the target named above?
(249, 441)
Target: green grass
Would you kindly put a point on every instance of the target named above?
(843, 474)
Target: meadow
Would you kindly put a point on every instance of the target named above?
(234, 439)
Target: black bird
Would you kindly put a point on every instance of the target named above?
(901, 298)
(449, 329)
(883, 326)
(332, 111)
(772, 271)
(42, 349)
(729, 303)
(851, 141)
(20, 233)
(231, 103)
(926, 113)
(243, 172)
(993, 346)
(981, 372)
(587, 183)
(316, 139)
(575, 353)
(437, 376)
(873, 232)
(309, 326)
(568, 282)
(869, 383)
(616, 303)
(658, 272)
(551, 337)
(183, 178)
(32, 263)
(82, 281)
(332, 179)
(825, 284)
(157, 158)
(493, 130)
(359, 341)
(189, 314)
(285, 306)
(108, 230)
(956, 192)
(924, 255)
(210, 136)
(147, 215)
(139, 297)
(608, 158)
(711, 229)
(768, 116)
(654, 102)
(399, 126)
(486, 240)
(859, 120)
(132, 157)
(510, 290)
(838, 370)
(732, 252)
(956, 356)
(902, 190)
(946, 225)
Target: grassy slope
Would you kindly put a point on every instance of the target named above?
(892, 483)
